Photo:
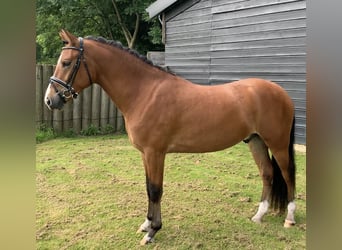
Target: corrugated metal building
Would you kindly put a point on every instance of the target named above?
(216, 41)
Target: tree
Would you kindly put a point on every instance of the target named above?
(122, 20)
(130, 38)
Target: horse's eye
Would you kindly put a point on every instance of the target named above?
(66, 64)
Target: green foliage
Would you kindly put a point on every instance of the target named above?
(155, 33)
(69, 133)
(108, 129)
(96, 18)
(91, 130)
(44, 133)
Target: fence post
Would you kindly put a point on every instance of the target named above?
(67, 116)
(57, 120)
(104, 109)
(77, 114)
(86, 107)
(112, 115)
(95, 105)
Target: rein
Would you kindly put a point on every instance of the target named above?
(70, 91)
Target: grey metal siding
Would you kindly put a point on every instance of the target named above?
(188, 41)
(216, 41)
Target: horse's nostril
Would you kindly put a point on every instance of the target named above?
(48, 102)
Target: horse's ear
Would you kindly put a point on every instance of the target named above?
(68, 38)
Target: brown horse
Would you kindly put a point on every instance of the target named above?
(165, 113)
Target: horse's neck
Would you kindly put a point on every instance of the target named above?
(124, 77)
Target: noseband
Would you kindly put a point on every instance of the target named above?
(70, 91)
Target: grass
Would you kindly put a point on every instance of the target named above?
(91, 195)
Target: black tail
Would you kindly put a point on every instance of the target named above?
(279, 195)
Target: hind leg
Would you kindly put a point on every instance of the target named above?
(261, 157)
(287, 168)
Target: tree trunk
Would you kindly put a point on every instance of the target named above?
(130, 39)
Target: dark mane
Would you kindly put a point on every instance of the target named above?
(118, 45)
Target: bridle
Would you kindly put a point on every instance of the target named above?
(70, 91)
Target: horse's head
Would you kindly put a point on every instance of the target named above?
(71, 74)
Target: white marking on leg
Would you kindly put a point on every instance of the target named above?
(289, 221)
(145, 227)
(263, 207)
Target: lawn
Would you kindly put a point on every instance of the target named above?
(91, 195)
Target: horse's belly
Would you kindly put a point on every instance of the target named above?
(208, 141)
(210, 132)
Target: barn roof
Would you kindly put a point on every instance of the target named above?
(159, 6)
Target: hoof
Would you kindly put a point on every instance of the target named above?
(289, 223)
(142, 230)
(146, 240)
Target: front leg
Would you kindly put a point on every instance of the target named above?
(154, 169)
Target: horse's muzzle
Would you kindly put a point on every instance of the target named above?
(54, 102)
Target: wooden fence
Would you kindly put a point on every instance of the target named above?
(92, 107)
